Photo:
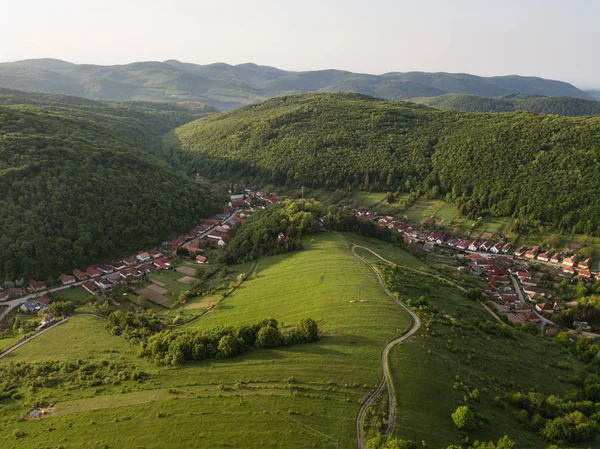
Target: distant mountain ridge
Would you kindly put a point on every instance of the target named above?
(227, 86)
(539, 104)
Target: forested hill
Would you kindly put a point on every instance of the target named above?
(78, 187)
(227, 86)
(567, 106)
(141, 122)
(537, 167)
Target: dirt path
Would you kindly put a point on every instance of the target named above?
(386, 381)
(27, 340)
(425, 273)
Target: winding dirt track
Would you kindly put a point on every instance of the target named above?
(386, 381)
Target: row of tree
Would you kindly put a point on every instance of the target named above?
(176, 348)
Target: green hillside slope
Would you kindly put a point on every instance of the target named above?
(534, 167)
(226, 87)
(568, 106)
(79, 185)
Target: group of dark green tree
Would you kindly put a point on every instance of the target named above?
(165, 346)
(80, 183)
(279, 229)
(536, 168)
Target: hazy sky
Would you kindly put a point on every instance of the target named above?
(547, 38)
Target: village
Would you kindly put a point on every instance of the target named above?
(524, 282)
(197, 246)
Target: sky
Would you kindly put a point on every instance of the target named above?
(549, 38)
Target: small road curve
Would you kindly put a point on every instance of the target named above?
(386, 381)
(436, 276)
(544, 320)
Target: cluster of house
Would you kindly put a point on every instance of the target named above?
(98, 278)
(15, 292)
(570, 264)
(499, 286)
(245, 196)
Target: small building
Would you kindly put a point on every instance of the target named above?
(496, 248)
(523, 275)
(485, 246)
(463, 245)
(506, 248)
(80, 275)
(581, 324)
(569, 271)
(556, 258)
(163, 263)
(91, 287)
(37, 286)
(585, 274)
(66, 279)
(154, 253)
(520, 252)
(30, 306)
(14, 292)
(544, 307)
(201, 259)
(143, 257)
(474, 245)
(585, 264)
(105, 269)
(531, 254)
(47, 320)
(44, 301)
(93, 272)
(129, 261)
(117, 265)
(546, 256)
(571, 261)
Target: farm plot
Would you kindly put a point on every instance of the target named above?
(152, 295)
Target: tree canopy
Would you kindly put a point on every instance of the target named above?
(77, 188)
(537, 168)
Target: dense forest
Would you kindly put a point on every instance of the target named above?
(79, 186)
(567, 106)
(538, 168)
(279, 229)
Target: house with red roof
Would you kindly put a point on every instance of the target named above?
(66, 279)
(129, 261)
(201, 259)
(44, 300)
(37, 286)
(163, 263)
(91, 287)
(93, 271)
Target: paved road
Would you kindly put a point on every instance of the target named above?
(28, 339)
(386, 381)
(12, 303)
(522, 299)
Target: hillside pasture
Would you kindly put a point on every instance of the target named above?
(305, 395)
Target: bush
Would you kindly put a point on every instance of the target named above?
(464, 418)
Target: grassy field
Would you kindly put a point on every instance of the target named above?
(427, 368)
(78, 295)
(304, 396)
(301, 396)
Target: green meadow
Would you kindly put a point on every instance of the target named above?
(306, 395)
(303, 396)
